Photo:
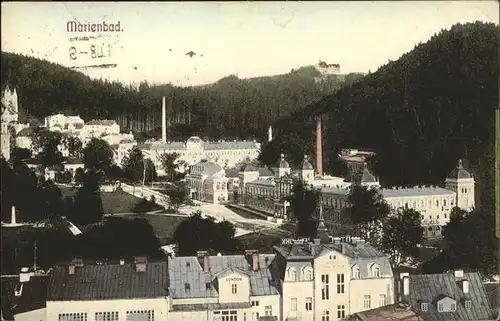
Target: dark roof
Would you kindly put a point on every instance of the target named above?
(33, 295)
(107, 282)
(459, 172)
(74, 161)
(306, 165)
(250, 168)
(264, 171)
(232, 172)
(78, 125)
(429, 287)
(393, 312)
(493, 292)
(102, 122)
(282, 163)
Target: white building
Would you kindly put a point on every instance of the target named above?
(324, 280)
(207, 181)
(122, 149)
(10, 107)
(65, 124)
(194, 150)
(102, 127)
(223, 288)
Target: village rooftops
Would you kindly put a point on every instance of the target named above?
(31, 295)
(393, 312)
(25, 132)
(73, 282)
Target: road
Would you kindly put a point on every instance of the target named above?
(219, 212)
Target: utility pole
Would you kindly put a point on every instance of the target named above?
(34, 256)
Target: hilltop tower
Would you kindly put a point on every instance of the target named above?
(462, 183)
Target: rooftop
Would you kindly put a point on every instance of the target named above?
(107, 282)
(187, 270)
(102, 122)
(393, 312)
(428, 288)
(33, 295)
(415, 191)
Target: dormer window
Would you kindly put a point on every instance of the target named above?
(453, 307)
(187, 287)
(292, 274)
(356, 272)
(375, 271)
(424, 306)
(468, 304)
(308, 275)
(440, 307)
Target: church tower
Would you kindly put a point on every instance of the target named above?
(282, 168)
(462, 183)
(306, 171)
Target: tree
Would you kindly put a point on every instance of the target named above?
(367, 209)
(172, 166)
(74, 146)
(402, 232)
(97, 155)
(79, 175)
(198, 233)
(303, 202)
(134, 165)
(19, 154)
(178, 194)
(47, 142)
(87, 207)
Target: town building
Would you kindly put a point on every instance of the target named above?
(446, 296)
(207, 182)
(65, 124)
(330, 279)
(223, 288)
(10, 107)
(102, 127)
(355, 159)
(194, 150)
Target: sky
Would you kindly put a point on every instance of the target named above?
(248, 39)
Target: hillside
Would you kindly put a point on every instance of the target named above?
(229, 108)
(420, 113)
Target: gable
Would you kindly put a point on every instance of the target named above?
(446, 300)
(231, 274)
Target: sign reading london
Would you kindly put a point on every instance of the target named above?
(94, 45)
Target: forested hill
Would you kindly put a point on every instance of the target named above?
(419, 113)
(230, 108)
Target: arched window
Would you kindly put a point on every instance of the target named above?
(308, 274)
(292, 274)
(375, 270)
(356, 273)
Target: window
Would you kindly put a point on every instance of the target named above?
(440, 307)
(424, 306)
(367, 302)
(293, 275)
(325, 287)
(340, 283)
(293, 304)
(226, 315)
(244, 316)
(468, 305)
(375, 270)
(333, 257)
(73, 317)
(234, 288)
(255, 303)
(453, 307)
(444, 202)
(106, 316)
(255, 316)
(340, 311)
(381, 300)
(325, 316)
(141, 315)
(356, 272)
(308, 275)
(309, 304)
(268, 310)
(437, 203)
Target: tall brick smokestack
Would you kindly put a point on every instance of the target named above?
(163, 120)
(319, 147)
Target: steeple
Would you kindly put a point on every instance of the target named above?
(322, 232)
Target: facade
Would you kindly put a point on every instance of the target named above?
(102, 127)
(207, 182)
(355, 159)
(65, 124)
(122, 149)
(194, 150)
(330, 280)
(223, 288)
(447, 296)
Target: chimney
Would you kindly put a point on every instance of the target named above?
(140, 263)
(459, 274)
(405, 278)
(13, 216)
(203, 255)
(122, 262)
(465, 286)
(270, 134)
(71, 269)
(319, 148)
(18, 291)
(163, 120)
(24, 276)
(254, 258)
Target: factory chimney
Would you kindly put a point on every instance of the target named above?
(163, 120)
(319, 148)
(270, 134)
